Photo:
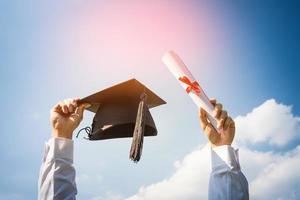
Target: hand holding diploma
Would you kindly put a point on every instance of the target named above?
(215, 122)
(226, 126)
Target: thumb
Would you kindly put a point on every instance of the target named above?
(80, 109)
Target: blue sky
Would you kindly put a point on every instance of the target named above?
(242, 53)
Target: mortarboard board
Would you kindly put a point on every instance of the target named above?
(123, 111)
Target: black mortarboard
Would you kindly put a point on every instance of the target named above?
(123, 111)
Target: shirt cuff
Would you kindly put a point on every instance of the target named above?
(61, 148)
(225, 156)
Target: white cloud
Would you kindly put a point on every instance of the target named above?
(271, 122)
(280, 177)
(190, 180)
(273, 172)
(270, 175)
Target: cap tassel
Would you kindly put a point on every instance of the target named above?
(138, 134)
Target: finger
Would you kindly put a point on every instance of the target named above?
(232, 124)
(56, 108)
(203, 118)
(212, 135)
(80, 109)
(69, 104)
(75, 102)
(223, 114)
(220, 124)
(213, 101)
(64, 107)
(218, 110)
(227, 122)
(222, 119)
(72, 106)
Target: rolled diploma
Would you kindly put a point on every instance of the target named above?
(179, 69)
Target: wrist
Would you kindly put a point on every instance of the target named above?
(62, 134)
(219, 145)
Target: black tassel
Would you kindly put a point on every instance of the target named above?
(138, 134)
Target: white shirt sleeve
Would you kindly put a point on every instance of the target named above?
(227, 182)
(57, 174)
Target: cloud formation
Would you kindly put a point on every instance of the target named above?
(188, 182)
(270, 123)
(276, 178)
(271, 175)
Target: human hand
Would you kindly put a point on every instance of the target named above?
(226, 126)
(65, 117)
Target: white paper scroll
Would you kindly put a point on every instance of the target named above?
(179, 70)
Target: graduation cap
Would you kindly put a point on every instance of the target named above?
(123, 111)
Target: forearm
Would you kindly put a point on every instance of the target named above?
(227, 181)
(57, 174)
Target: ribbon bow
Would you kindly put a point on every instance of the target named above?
(191, 85)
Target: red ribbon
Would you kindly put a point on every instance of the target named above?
(191, 85)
